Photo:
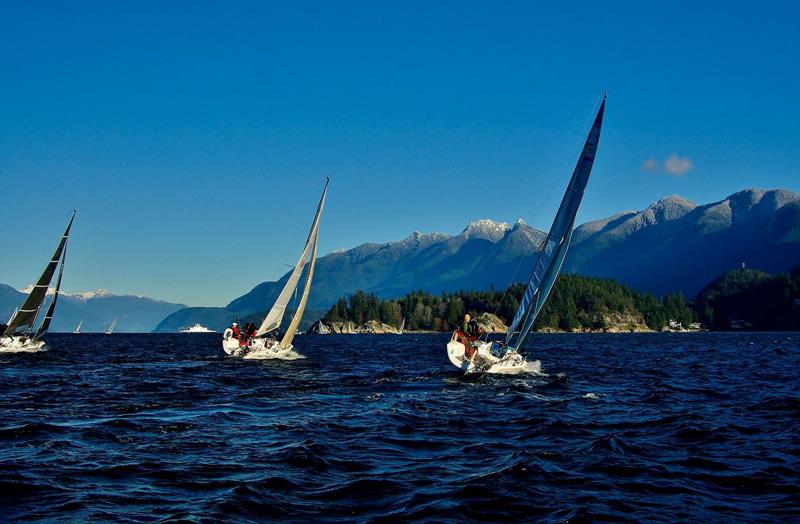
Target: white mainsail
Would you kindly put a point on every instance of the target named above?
(112, 326)
(78, 327)
(275, 316)
(291, 331)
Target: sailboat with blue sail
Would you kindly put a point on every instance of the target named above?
(504, 357)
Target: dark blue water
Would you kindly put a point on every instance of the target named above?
(700, 427)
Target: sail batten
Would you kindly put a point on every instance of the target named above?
(25, 318)
(275, 315)
(555, 246)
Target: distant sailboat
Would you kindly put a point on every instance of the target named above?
(78, 327)
(19, 334)
(492, 357)
(110, 328)
(319, 328)
(402, 326)
(264, 345)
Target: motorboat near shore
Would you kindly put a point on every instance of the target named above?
(197, 328)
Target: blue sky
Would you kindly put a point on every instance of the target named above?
(193, 137)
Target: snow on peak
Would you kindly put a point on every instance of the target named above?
(88, 295)
(487, 229)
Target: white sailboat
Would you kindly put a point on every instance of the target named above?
(402, 326)
(19, 334)
(110, 328)
(78, 327)
(265, 344)
(504, 357)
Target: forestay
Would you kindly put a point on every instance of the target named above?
(275, 315)
(25, 318)
(555, 246)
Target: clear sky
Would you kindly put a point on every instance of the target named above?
(192, 137)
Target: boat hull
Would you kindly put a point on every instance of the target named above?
(510, 363)
(257, 349)
(20, 344)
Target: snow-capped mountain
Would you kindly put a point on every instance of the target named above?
(672, 245)
(97, 309)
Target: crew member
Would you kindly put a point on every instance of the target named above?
(237, 334)
(467, 335)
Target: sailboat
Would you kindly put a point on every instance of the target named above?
(110, 328)
(19, 335)
(504, 357)
(402, 326)
(78, 327)
(265, 344)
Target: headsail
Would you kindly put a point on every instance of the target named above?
(48, 317)
(555, 246)
(291, 331)
(275, 315)
(25, 318)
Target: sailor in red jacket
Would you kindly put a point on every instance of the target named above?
(236, 333)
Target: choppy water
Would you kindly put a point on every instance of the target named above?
(701, 427)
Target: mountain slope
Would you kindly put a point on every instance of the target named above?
(673, 245)
(97, 309)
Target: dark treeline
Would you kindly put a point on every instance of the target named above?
(739, 299)
(750, 299)
(576, 302)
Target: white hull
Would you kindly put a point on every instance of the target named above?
(510, 363)
(19, 344)
(257, 349)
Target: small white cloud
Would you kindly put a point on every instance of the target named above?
(650, 165)
(677, 166)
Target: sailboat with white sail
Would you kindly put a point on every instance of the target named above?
(504, 357)
(266, 344)
(19, 335)
(78, 327)
(110, 328)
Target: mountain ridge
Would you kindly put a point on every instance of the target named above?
(672, 245)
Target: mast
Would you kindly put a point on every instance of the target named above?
(273, 319)
(25, 318)
(554, 247)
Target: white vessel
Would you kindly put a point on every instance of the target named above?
(265, 344)
(197, 328)
(78, 327)
(504, 358)
(19, 335)
(110, 328)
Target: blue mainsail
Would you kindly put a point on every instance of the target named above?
(555, 246)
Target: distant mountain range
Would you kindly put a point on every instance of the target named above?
(97, 309)
(673, 245)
